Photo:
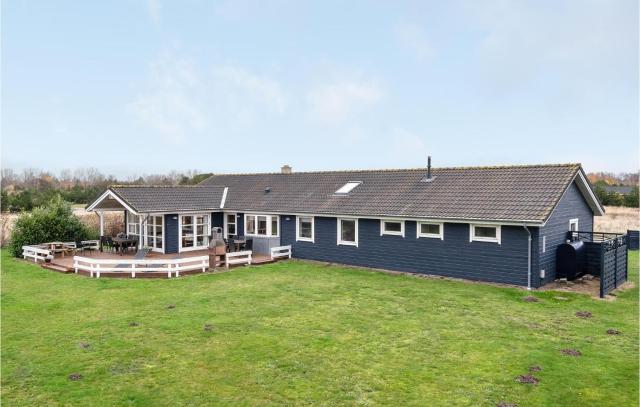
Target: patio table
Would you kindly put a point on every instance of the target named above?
(122, 241)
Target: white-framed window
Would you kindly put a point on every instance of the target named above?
(347, 231)
(573, 225)
(484, 233)
(230, 224)
(194, 231)
(133, 224)
(305, 228)
(392, 227)
(155, 232)
(261, 225)
(544, 244)
(430, 229)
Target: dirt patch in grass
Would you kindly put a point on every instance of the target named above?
(84, 345)
(208, 327)
(133, 323)
(535, 368)
(530, 298)
(571, 352)
(613, 332)
(171, 306)
(506, 404)
(527, 379)
(584, 314)
(75, 377)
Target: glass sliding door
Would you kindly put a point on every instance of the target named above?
(194, 232)
(155, 232)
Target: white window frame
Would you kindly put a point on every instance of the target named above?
(339, 235)
(195, 230)
(575, 221)
(136, 224)
(383, 231)
(313, 229)
(419, 233)
(474, 238)
(268, 230)
(544, 244)
(226, 224)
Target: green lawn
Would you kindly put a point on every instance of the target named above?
(301, 333)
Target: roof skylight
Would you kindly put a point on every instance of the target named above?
(348, 187)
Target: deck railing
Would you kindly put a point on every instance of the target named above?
(133, 266)
(281, 251)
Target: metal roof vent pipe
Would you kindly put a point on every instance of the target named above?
(286, 169)
(428, 178)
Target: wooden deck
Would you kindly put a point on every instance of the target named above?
(65, 263)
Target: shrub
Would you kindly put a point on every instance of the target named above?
(51, 222)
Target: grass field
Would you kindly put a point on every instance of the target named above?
(299, 333)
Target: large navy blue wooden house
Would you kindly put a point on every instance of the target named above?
(499, 224)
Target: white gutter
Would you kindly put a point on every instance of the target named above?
(528, 258)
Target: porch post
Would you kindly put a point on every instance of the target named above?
(101, 216)
(141, 236)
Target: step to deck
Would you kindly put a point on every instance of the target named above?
(55, 267)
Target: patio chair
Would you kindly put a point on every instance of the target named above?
(248, 245)
(231, 245)
(111, 244)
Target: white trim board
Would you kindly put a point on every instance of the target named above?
(112, 195)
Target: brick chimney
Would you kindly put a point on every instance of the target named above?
(286, 169)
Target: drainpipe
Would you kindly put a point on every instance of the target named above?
(528, 258)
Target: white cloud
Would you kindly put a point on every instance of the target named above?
(154, 8)
(179, 100)
(337, 101)
(577, 43)
(408, 145)
(170, 106)
(259, 89)
(412, 37)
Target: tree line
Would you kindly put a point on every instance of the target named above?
(33, 187)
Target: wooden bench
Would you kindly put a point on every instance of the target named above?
(37, 253)
(243, 257)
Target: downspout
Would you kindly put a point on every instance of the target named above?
(528, 258)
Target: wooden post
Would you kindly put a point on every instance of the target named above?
(133, 270)
(101, 216)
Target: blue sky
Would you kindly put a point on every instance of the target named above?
(137, 86)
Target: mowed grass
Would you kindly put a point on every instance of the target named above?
(298, 333)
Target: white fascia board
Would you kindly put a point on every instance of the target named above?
(109, 193)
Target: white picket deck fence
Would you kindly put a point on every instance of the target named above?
(133, 266)
(243, 257)
(36, 253)
(281, 251)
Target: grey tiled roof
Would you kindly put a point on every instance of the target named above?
(513, 193)
(167, 199)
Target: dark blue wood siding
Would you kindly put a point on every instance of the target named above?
(572, 205)
(240, 225)
(454, 256)
(171, 233)
(217, 220)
